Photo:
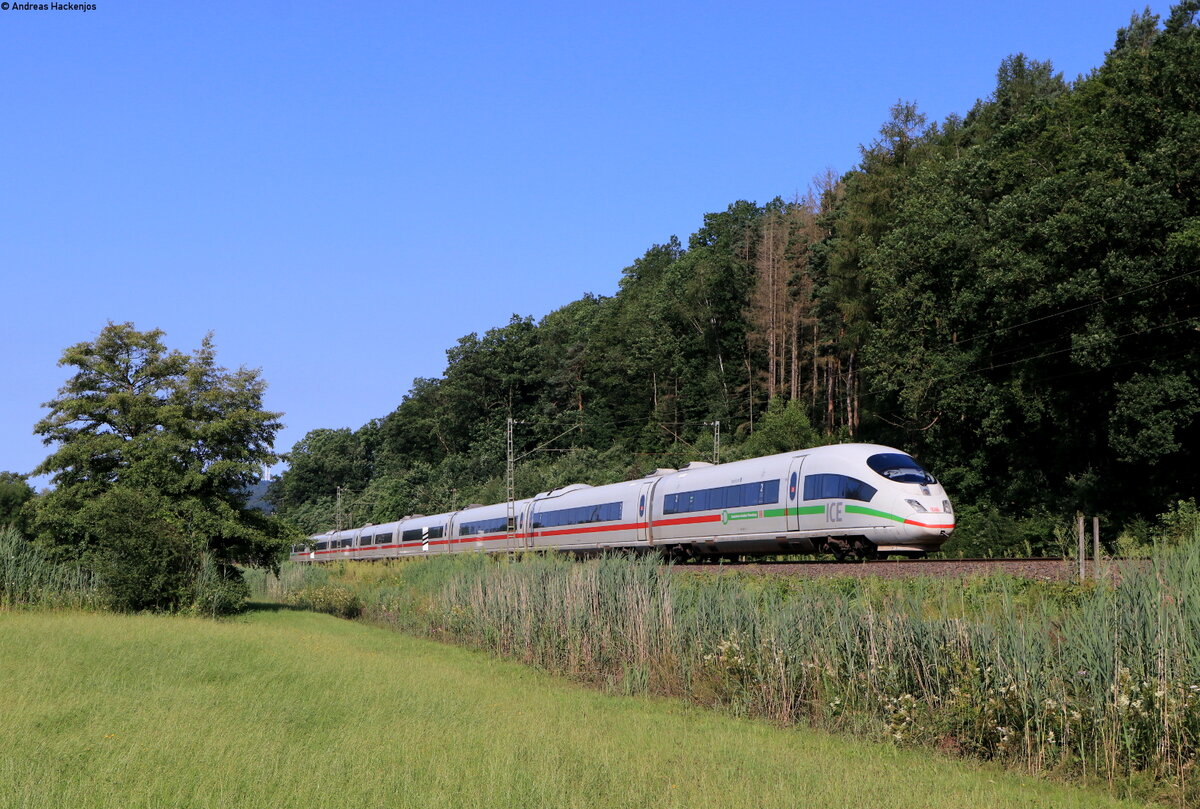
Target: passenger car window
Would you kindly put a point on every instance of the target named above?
(837, 487)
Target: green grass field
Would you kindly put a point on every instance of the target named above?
(288, 709)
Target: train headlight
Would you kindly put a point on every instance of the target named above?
(946, 507)
(916, 505)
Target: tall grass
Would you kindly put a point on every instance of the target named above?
(28, 578)
(1100, 681)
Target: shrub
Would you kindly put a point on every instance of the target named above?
(1179, 524)
(987, 531)
(332, 599)
(218, 589)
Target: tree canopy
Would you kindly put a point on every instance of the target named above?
(154, 452)
(14, 493)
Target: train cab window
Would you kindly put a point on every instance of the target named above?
(899, 468)
(837, 487)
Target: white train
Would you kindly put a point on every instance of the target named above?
(860, 499)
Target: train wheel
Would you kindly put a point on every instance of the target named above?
(865, 550)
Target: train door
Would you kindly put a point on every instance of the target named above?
(525, 523)
(645, 511)
(515, 541)
(795, 493)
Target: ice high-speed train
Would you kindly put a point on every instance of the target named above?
(860, 499)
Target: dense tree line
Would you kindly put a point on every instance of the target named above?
(1010, 295)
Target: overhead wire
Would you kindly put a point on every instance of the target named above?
(1079, 307)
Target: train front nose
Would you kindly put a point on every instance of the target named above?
(933, 524)
(928, 522)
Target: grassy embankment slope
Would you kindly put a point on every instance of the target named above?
(281, 709)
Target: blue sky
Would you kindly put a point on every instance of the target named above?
(341, 190)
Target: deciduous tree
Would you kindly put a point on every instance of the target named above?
(154, 451)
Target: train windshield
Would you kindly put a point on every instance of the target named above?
(898, 467)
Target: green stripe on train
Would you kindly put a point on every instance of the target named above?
(784, 512)
(802, 511)
(741, 515)
(870, 512)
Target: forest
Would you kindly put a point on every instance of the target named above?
(1010, 295)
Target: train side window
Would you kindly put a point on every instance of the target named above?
(412, 535)
(478, 527)
(604, 512)
(837, 487)
(437, 531)
(857, 490)
(722, 497)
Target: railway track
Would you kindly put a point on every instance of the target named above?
(1052, 569)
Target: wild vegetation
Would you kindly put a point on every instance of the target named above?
(285, 709)
(1097, 682)
(1011, 295)
(28, 578)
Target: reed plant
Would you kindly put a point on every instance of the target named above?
(1096, 681)
(29, 579)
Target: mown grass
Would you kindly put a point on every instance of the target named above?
(292, 709)
(1095, 682)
